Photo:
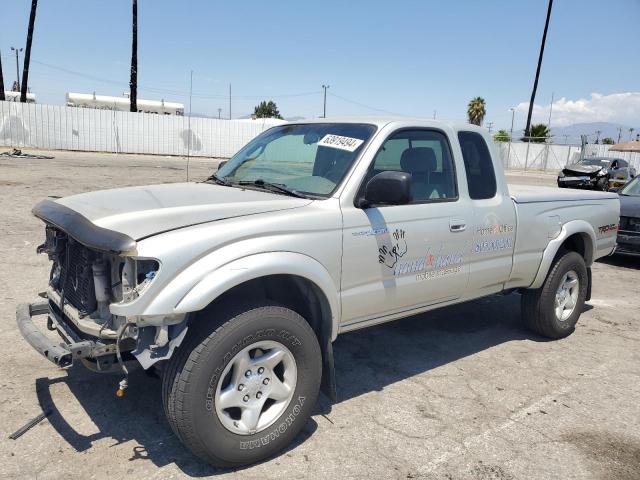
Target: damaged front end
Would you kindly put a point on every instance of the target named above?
(90, 271)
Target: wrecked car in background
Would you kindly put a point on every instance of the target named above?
(234, 289)
(599, 173)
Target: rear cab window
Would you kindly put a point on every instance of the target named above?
(478, 164)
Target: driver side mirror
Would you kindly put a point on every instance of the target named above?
(387, 188)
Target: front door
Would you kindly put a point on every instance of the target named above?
(403, 257)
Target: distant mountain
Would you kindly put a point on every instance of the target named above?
(606, 129)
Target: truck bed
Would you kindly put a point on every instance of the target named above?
(534, 193)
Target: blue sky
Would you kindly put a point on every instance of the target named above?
(405, 57)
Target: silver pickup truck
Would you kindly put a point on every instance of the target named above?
(233, 289)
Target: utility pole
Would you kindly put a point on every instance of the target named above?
(489, 126)
(189, 132)
(598, 132)
(1, 81)
(631, 133)
(527, 130)
(513, 113)
(435, 112)
(219, 113)
(324, 110)
(27, 53)
(17, 50)
(619, 134)
(565, 138)
(229, 101)
(133, 82)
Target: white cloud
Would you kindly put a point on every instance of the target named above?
(623, 108)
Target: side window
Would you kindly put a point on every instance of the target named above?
(481, 177)
(425, 154)
(622, 164)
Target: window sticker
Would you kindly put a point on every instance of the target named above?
(343, 143)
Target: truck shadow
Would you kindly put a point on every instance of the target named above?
(624, 261)
(366, 360)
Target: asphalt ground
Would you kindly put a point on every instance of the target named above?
(460, 393)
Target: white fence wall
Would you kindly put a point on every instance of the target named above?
(56, 127)
(70, 128)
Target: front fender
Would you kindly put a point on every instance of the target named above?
(209, 287)
(570, 228)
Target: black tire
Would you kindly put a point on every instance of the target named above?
(538, 305)
(191, 378)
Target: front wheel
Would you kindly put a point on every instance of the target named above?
(241, 393)
(553, 310)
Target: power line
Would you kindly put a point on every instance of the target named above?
(174, 92)
(364, 105)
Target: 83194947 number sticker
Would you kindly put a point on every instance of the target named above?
(343, 143)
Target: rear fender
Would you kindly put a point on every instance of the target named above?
(568, 229)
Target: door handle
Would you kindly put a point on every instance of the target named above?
(457, 226)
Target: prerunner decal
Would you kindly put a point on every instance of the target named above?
(370, 232)
(343, 143)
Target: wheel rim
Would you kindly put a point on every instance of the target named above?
(256, 386)
(567, 295)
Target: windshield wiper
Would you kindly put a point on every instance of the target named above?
(219, 180)
(274, 187)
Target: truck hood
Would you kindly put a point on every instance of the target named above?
(140, 212)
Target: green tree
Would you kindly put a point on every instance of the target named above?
(502, 136)
(476, 110)
(267, 110)
(539, 134)
(607, 141)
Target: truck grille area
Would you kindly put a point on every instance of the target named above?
(75, 280)
(630, 224)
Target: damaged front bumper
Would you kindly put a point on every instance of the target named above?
(61, 353)
(153, 340)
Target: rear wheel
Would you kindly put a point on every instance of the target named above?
(553, 310)
(241, 393)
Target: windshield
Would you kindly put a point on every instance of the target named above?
(308, 158)
(632, 188)
(600, 162)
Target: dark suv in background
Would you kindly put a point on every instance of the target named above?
(629, 230)
(599, 173)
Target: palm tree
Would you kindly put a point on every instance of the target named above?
(476, 111)
(539, 133)
(27, 52)
(133, 84)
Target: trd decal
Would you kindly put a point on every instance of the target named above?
(389, 255)
(608, 228)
